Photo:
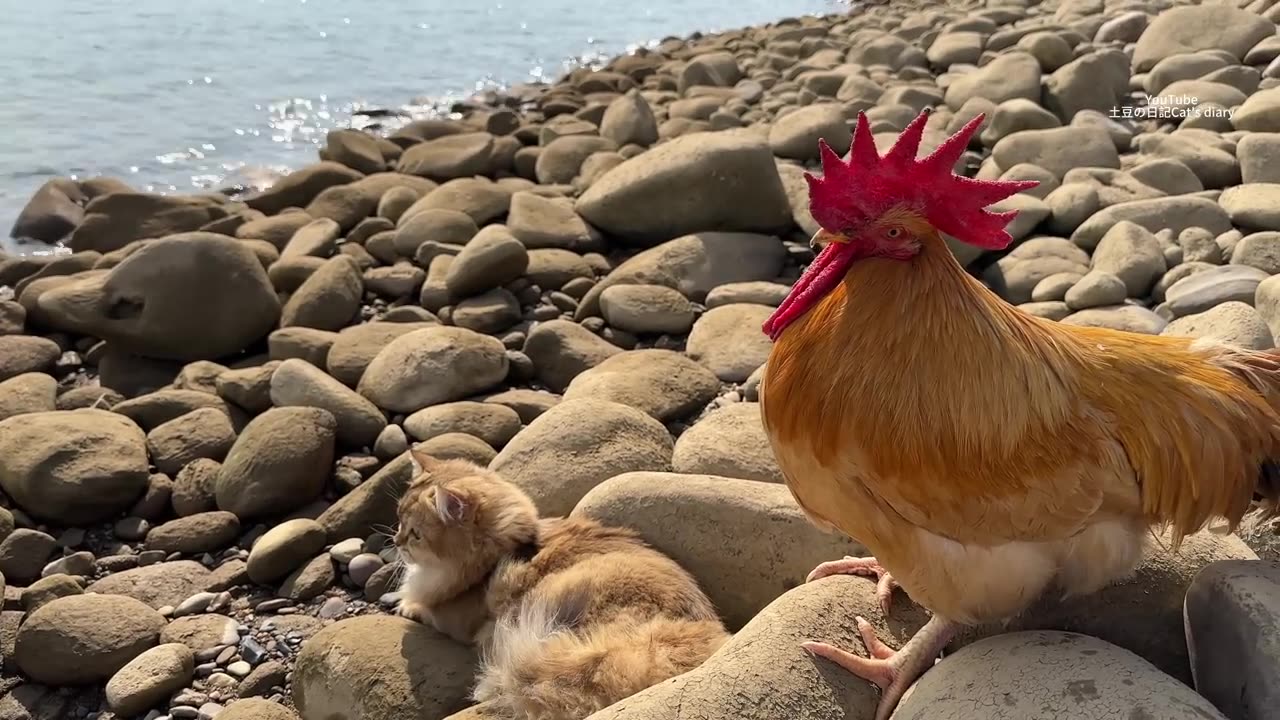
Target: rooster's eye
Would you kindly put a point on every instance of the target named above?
(893, 233)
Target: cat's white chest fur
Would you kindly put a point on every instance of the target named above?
(421, 579)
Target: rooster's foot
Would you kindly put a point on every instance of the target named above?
(864, 567)
(891, 671)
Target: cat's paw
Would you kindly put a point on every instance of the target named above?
(411, 611)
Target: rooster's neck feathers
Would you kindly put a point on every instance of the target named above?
(863, 187)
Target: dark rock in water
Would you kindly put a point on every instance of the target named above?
(53, 212)
(380, 112)
(187, 297)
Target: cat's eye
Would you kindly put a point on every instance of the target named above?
(413, 534)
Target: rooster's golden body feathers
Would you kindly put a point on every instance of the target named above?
(981, 453)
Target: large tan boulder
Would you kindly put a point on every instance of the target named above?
(193, 296)
(379, 668)
(73, 466)
(764, 674)
(81, 639)
(578, 444)
(1046, 674)
(746, 542)
(703, 181)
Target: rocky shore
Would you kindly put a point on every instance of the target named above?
(205, 406)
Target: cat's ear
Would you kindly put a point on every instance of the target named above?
(451, 506)
(422, 462)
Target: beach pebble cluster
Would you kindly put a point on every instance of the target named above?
(206, 403)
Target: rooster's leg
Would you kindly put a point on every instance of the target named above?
(893, 672)
(865, 567)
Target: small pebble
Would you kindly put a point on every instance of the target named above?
(347, 479)
(220, 681)
(116, 563)
(81, 563)
(225, 656)
(189, 697)
(209, 711)
(209, 655)
(220, 602)
(362, 567)
(332, 608)
(345, 551)
(131, 528)
(71, 538)
(194, 605)
(239, 668)
(272, 605)
(252, 651)
(184, 712)
(375, 543)
(150, 557)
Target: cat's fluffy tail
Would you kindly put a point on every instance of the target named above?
(540, 666)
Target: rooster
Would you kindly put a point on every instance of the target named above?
(982, 454)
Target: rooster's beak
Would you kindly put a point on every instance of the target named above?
(821, 239)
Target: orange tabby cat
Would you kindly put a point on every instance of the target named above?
(571, 616)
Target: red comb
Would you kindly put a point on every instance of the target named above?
(854, 191)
